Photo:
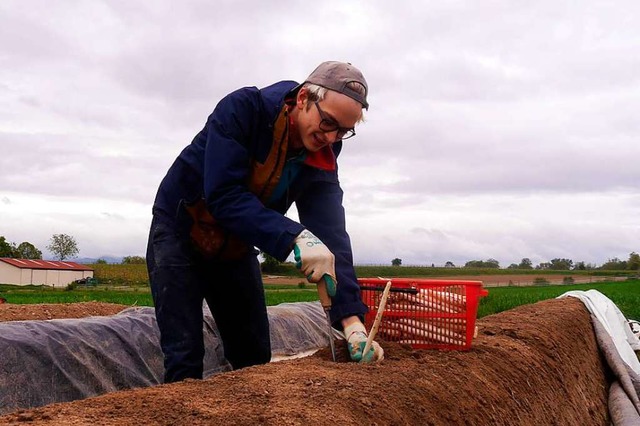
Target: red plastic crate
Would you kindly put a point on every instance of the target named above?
(426, 314)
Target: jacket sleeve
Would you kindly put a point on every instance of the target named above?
(233, 131)
(321, 211)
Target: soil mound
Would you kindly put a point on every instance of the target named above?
(537, 364)
(47, 311)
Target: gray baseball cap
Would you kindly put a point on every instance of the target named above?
(336, 76)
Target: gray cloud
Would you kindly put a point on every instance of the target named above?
(28, 41)
(46, 164)
(470, 102)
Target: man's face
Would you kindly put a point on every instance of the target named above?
(337, 110)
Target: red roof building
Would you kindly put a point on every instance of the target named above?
(41, 272)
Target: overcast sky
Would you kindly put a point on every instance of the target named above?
(497, 129)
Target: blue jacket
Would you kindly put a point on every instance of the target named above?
(216, 167)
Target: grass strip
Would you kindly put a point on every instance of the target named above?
(625, 294)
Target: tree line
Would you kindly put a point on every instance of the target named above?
(558, 264)
(62, 246)
(24, 250)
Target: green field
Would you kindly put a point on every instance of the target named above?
(134, 296)
(137, 274)
(625, 294)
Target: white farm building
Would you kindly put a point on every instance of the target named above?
(37, 272)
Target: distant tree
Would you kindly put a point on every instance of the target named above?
(580, 266)
(561, 264)
(26, 250)
(614, 264)
(634, 261)
(492, 263)
(489, 263)
(270, 263)
(133, 260)
(6, 248)
(449, 264)
(396, 262)
(101, 262)
(525, 263)
(513, 266)
(544, 265)
(63, 246)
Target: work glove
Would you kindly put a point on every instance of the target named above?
(356, 336)
(315, 260)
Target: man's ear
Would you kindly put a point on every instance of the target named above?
(302, 97)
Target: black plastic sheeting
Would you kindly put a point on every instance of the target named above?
(42, 362)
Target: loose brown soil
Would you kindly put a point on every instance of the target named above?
(47, 311)
(533, 365)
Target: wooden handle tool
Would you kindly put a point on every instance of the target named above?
(376, 322)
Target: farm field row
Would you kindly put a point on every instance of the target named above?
(625, 294)
(136, 274)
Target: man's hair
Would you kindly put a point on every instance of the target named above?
(317, 93)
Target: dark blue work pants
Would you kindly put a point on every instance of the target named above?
(180, 280)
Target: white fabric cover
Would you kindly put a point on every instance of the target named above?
(614, 322)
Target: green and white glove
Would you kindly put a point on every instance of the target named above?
(356, 336)
(315, 260)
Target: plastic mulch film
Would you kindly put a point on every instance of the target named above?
(43, 362)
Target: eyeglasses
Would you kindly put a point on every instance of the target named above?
(328, 124)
